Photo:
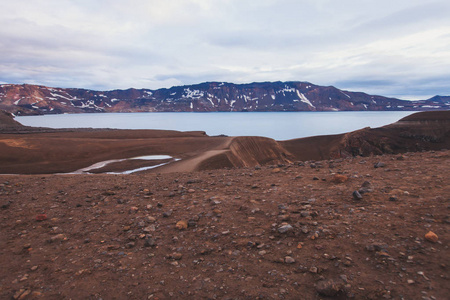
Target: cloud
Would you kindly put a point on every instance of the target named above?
(384, 47)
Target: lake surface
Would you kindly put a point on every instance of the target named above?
(276, 125)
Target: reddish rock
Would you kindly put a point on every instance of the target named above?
(338, 178)
(41, 217)
(431, 237)
(183, 224)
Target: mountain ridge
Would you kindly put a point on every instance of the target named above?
(212, 96)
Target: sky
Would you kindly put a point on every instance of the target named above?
(397, 48)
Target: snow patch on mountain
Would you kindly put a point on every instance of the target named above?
(304, 99)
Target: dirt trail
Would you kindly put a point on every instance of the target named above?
(191, 164)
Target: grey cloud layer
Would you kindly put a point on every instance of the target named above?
(399, 48)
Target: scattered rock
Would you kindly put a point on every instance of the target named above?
(147, 192)
(130, 245)
(289, 260)
(176, 256)
(305, 213)
(357, 195)
(366, 187)
(377, 247)
(285, 228)
(41, 217)
(379, 165)
(431, 237)
(21, 294)
(329, 287)
(151, 219)
(192, 181)
(150, 228)
(149, 242)
(58, 238)
(276, 170)
(338, 178)
(183, 224)
(393, 198)
(167, 213)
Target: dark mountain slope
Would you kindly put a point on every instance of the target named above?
(204, 97)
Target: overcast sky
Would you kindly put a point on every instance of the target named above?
(397, 48)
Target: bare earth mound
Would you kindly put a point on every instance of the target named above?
(28, 150)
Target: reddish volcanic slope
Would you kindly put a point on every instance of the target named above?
(41, 150)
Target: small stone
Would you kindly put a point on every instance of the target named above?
(36, 294)
(147, 192)
(285, 228)
(58, 237)
(183, 224)
(289, 260)
(276, 170)
(431, 237)
(379, 165)
(382, 254)
(167, 214)
(151, 219)
(34, 268)
(357, 195)
(338, 178)
(393, 198)
(304, 213)
(329, 287)
(21, 294)
(284, 217)
(177, 256)
(149, 242)
(410, 281)
(366, 184)
(130, 245)
(41, 217)
(109, 193)
(150, 228)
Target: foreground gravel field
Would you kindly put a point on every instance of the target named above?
(349, 228)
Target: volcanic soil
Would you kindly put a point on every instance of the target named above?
(292, 231)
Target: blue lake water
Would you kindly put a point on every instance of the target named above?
(276, 125)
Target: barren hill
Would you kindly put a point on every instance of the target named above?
(41, 151)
